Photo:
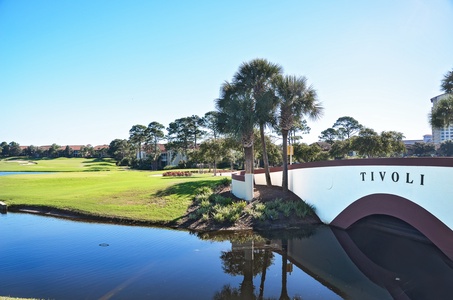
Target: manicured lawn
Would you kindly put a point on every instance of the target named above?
(21, 164)
(135, 195)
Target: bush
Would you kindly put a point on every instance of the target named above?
(177, 173)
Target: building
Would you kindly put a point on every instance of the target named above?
(441, 134)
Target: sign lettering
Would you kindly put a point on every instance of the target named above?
(394, 176)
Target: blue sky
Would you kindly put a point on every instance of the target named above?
(85, 72)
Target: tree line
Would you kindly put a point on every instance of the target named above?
(259, 106)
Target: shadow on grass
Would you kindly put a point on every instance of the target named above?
(187, 188)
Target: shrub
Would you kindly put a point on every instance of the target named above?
(177, 173)
(218, 199)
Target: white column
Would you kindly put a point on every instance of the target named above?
(248, 187)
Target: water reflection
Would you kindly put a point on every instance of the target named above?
(56, 259)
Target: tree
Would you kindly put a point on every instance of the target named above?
(237, 118)
(296, 100)
(255, 78)
(137, 136)
(68, 152)
(392, 144)
(329, 136)
(183, 134)
(122, 151)
(154, 135)
(209, 121)
(340, 149)
(211, 151)
(347, 127)
(14, 149)
(300, 126)
(53, 150)
(423, 149)
(446, 148)
(447, 82)
(368, 143)
(442, 113)
(31, 151)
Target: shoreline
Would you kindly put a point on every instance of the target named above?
(262, 194)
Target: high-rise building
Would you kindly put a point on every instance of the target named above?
(441, 134)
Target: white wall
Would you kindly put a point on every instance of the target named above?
(330, 189)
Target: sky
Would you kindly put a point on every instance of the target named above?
(84, 72)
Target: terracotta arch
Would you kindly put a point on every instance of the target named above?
(403, 209)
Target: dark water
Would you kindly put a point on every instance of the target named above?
(51, 258)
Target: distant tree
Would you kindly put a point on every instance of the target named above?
(392, 144)
(446, 148)
(423, 149)
(68, 152)
(307, 153)
(296, 100)
(442, 113)
(368, 143)
(330, 135)
(347, 127)
(155, 134)
(299, 126)
(137, 136)
(340, 149)
(183, 134)
(5, 149)
(30, 151)
(447, 82)
(211, 151)
(121, 151)
(14, 149)
(87, 151)
(2, 145)
(54, 150)
(210, 122)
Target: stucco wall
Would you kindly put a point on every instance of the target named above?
(331, 186)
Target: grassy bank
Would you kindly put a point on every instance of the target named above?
(135, 195)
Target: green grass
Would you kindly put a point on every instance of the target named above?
(21, 164)
(134, 195)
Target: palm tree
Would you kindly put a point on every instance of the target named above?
(447, 82)
(442, 113)
(236, 117)
(255, 77)
(296, 101)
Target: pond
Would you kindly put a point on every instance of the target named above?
(21, 173)
(50, 258)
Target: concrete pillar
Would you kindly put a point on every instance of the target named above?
(3, 207)
(248, 187)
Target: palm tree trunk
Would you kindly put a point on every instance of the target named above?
(249, 182)
(248, 164)
(285, 160)
(265, 157)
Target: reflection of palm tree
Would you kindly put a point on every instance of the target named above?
(247, 262)
(263, 272)
(284, 292)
